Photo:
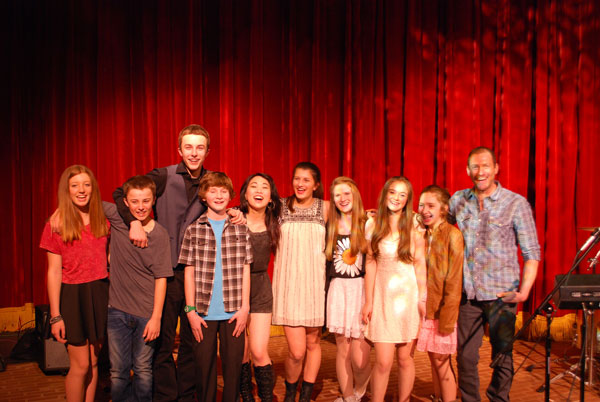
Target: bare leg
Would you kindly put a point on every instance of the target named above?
(406, 371)
(92, 378)
(78, 376)
(435, 380)
(313, 354)
(343, 365)
(259, 334)
(296, 339)
(247, 340)
(384, 358)
(445, 377)
(361, 364)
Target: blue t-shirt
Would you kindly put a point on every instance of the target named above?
(216, 308)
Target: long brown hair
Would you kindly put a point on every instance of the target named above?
(405, 223)
(358, 243)
(273, 211)
(316, 175)
(70, 219)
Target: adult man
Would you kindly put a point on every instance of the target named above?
(177, 206)
(493, 220)
(137, 292)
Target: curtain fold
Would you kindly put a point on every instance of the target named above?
(367, 89)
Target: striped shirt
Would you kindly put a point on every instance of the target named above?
(199, 250)
(491, 262)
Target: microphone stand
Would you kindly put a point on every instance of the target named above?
(547, 307)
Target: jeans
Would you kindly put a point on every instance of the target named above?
(472, 317)
(128, 351)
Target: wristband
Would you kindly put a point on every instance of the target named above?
(189, 308)
(56, 319)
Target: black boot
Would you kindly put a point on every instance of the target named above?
(290, 391)
(306, 391)
(246, 383)
(265, 381)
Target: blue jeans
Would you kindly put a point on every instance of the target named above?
(128, 351)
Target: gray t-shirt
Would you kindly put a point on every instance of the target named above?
(133, 269)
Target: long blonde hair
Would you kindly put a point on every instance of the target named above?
(70, 219)
(358, 243)
(405, 223)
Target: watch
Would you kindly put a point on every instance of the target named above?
(187, 309)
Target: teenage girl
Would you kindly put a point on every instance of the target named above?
(299, 278)
(444, 286)
(77, 278)
(345, 252)
(395, 287)
(259, 200)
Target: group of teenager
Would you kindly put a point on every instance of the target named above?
(395, 281)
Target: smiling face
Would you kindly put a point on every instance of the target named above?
(431, 210)
(80, 190)
(304, 184)
(343, 199)
(258, 193)
(139, 202)
(217, 199)
(482, 170)
(193, 150)
(396, 197)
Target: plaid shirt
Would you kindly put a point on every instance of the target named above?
(491, 263)
(199, 250)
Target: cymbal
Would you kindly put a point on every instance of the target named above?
(588, 229)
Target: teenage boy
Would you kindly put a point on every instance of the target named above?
(177, 206)
(138, 283)
(217, 255)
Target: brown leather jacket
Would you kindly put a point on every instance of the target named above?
(444, 276)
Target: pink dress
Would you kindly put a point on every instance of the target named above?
(430, 339)
(395, 316)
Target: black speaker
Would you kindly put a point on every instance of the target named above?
(53, 356)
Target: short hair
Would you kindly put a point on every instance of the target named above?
(215, 179)
(196, 129)
(139, 182)
(480, 150)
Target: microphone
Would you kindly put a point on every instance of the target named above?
(594, 261)
(589, 241)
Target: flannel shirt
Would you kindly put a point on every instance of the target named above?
(491, 262)
(199, 250)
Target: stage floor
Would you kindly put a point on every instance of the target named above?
(26, 382)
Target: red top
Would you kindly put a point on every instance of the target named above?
(82, 260)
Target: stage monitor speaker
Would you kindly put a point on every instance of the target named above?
(53, 356)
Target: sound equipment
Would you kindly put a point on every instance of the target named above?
(53, 356)
(577, 290)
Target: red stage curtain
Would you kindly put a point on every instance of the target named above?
(366, 89)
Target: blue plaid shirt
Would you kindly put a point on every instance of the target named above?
(491, 263)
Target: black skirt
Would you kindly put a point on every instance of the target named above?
(84, 308)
